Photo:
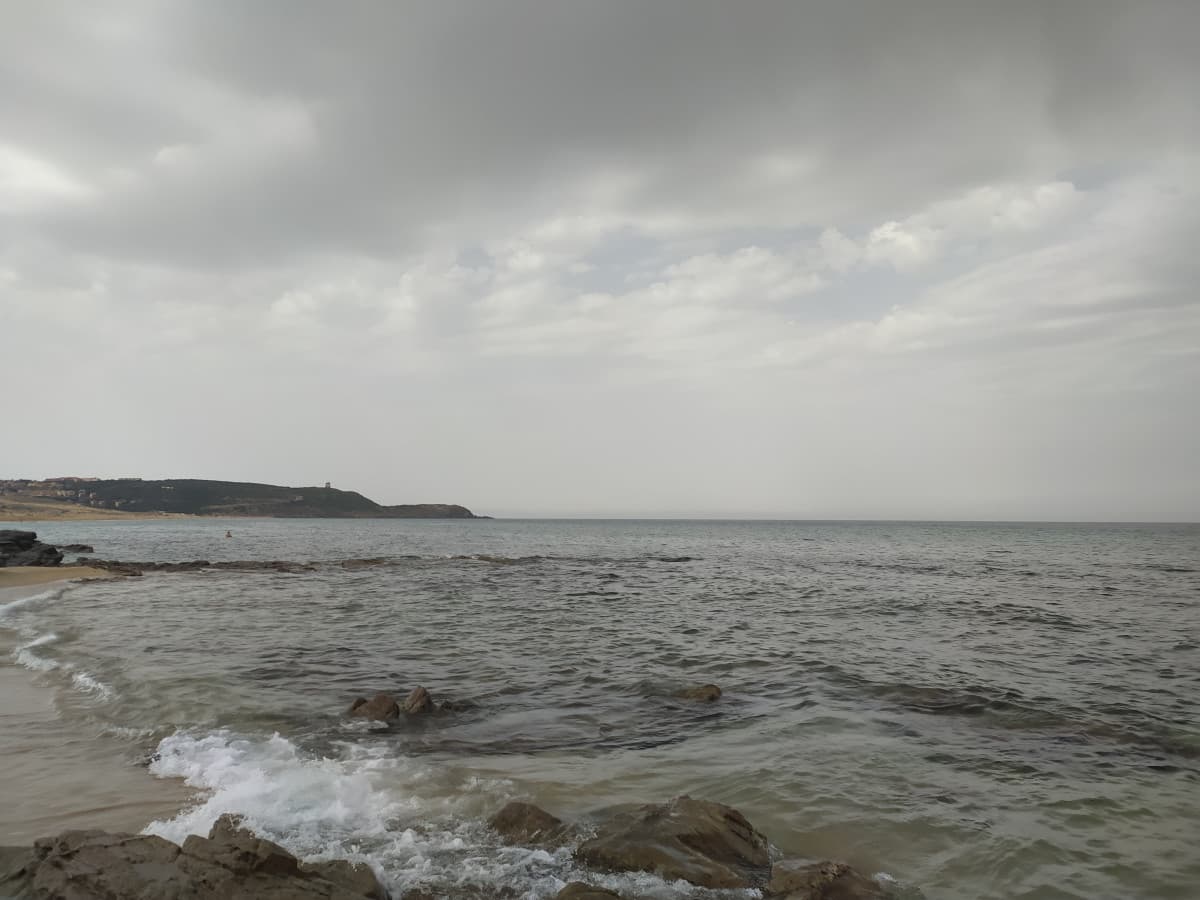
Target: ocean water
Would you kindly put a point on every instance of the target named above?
(974, 710)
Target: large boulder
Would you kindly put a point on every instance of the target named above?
(382, 708)
(797, 880)
(708, 844)
(230, 864)
(523, 824)
(22, 548)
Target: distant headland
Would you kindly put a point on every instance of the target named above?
(95, 498)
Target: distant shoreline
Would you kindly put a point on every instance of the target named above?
(71, 497)
(69, 513)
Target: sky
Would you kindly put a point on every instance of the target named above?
(685, 258)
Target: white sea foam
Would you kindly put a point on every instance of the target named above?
(280, 792)
(82, 680)
(412, 823)
(12, 606)
(41, 641)
(25, 656)
(30, 660)
(90, 684)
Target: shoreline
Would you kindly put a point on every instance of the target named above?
(25, 576)
(58, 775)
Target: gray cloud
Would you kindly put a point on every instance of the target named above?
(771, 258)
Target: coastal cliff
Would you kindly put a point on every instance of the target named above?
(201, 497)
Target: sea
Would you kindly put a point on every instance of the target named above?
(964, 710)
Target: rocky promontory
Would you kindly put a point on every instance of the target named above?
(204, 497)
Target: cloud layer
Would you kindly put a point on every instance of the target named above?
(806, 260)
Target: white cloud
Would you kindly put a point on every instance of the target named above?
(728, 267)
(28, 181)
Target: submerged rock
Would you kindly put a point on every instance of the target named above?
(578, 890)
(706, 693)
(524, 824)
(77, 548)
(199, 565)
(382, 708)
(230, 864)
(795, 880)
(708, 844)
(365, 563)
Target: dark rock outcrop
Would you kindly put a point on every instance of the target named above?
(367, 563)
(795, 880)
(382, 708)
(77, 548)
(526, 825)
(22, 548)
(708, 844)
(706, 693)
(230, 864)
(198, 565)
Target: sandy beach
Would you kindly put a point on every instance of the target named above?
(57, 775)
(24, 576)
(13, 510)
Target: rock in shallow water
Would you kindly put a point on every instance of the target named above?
(419, 701)
(706, 693)
(794, 880)
(230, 864)
(578, 890)
(708, 844)
(524, 824)
(382, 708)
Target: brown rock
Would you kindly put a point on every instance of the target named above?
(708, 844)
(797, 880)
(704, 692)
(522, 823)
(419, 701)
(578, 890)
(230, 864)
(382, 708)
(357, 878)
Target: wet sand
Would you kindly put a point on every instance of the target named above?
(56, 773)
(24, 576)
(57, 776)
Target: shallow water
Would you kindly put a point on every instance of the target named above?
(991, 711)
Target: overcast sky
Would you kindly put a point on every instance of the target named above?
(886, 260)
